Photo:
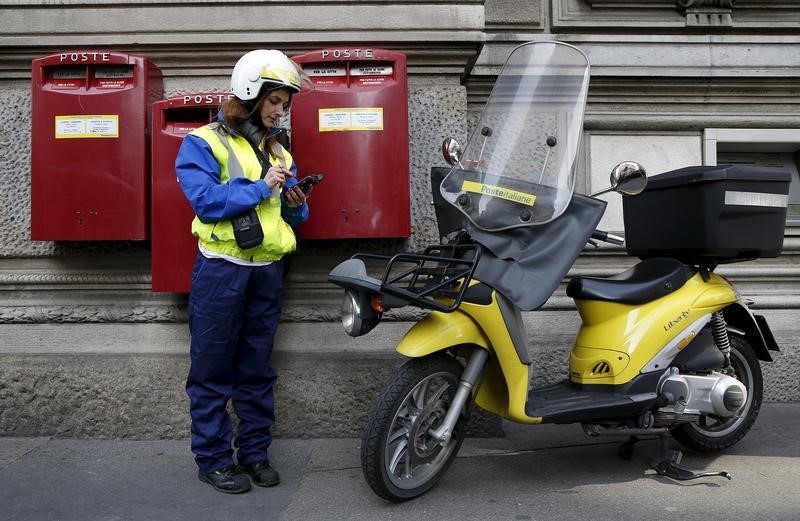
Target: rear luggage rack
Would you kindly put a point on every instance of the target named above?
(440, 272)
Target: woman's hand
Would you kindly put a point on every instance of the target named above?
(277, 175)
(295, 197)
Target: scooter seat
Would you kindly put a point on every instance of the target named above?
(644, 282)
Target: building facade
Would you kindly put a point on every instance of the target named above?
(90, 351)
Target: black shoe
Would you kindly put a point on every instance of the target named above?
(262, 474)
(230, 480)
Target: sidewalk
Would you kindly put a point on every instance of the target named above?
(535, 473)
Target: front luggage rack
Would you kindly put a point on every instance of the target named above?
(424, 279)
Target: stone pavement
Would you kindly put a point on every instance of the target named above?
(534, 473)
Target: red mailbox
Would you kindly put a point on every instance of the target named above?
(173, 246)
(89, 145)
(353, 128)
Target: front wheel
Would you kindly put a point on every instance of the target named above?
(399, 458)
(713, 434)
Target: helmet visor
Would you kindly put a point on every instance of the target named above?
(290, 76)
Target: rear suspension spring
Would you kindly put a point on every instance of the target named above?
(719, 330)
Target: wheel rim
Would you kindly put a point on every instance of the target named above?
(411, 456)
(718, 427)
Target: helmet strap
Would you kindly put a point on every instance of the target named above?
(249, 105)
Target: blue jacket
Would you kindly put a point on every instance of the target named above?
(199, 175)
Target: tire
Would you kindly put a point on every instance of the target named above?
(712, 434)
(412, 402)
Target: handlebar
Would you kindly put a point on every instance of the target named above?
(600, 235)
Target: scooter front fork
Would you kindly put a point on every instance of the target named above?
(470, 375)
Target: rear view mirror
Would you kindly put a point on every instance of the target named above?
(451, 150)
(627, 178)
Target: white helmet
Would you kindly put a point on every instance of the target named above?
(269, 67)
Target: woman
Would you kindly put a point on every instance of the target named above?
(240, 183)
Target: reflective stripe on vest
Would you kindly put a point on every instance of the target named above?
(236, 158)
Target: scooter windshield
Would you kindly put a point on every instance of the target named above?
(518, 167)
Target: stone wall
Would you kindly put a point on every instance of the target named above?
(90, 351)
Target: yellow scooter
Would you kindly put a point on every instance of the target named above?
(667, 348)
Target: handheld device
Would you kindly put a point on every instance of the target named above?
(307, 182)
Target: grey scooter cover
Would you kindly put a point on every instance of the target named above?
(526, 265)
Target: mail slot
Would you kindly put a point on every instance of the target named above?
(173, 246)
(90, 145)
(353, 128)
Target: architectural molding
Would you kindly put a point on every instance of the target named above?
(764, 15)
(658, 4)
(638, 76)
(631, 103)
(50, 296)
(694, 4)
(209, 62)
(710, 13)
(88, 314)
(692, 104)
(203, 38)
(515, 16)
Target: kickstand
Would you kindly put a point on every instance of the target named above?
(669, 465)
(625, 450)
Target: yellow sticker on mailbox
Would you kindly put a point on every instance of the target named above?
(339, 119)
(497, 191)
(106, 126)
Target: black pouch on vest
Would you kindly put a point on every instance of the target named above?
(246, 227)
(247, 230)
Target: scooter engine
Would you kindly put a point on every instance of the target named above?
(691, 395)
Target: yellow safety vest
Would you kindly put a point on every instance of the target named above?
(218, 236)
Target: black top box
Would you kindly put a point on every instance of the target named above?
(709, 215)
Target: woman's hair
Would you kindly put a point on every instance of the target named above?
(235, 113)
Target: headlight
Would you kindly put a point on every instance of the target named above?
(358, 317)
(350, 319)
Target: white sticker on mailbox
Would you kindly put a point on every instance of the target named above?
(333, 119)
(344, 119)
(70, 126)
(102, 126)
(67, 73)
(367, 119)
(372, 70)
(325, 71)
(106, 126)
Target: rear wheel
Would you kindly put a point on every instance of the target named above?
(713, 434)
(399, 457)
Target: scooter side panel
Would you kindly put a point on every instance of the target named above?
(639, 332)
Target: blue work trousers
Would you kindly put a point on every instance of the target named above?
(233, 315)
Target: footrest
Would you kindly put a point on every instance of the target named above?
(566, 402)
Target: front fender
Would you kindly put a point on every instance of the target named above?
(439, 331)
